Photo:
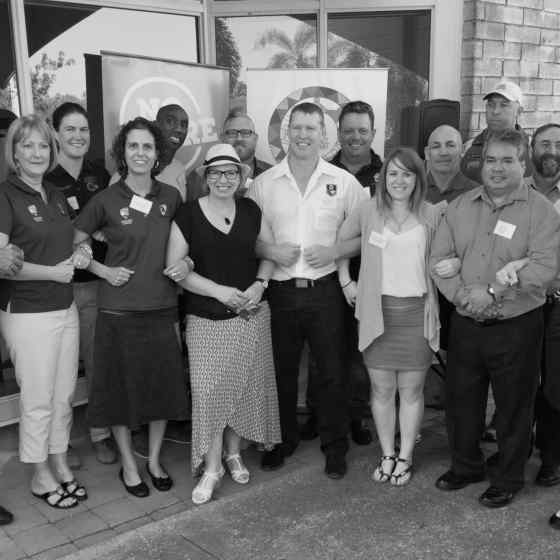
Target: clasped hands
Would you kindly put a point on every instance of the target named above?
(243, 303)
(317, 256)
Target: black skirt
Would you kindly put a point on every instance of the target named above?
(139, 374)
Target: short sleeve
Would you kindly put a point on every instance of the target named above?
(92, 217)
(6, 214)
(254, 213)
(177, 202)
(183, 219)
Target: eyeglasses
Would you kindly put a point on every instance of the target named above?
(233, 133)
(216, 175)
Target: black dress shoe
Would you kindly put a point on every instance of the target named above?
(273, 459)
(139, 490)
(554, 521)
(450, 481)
(5, 516)
(163, 483)
(548, 476)
(360, 435)
(495, 497)
(335, 465)
(308, 430)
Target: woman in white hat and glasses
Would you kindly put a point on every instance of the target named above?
(228, 322)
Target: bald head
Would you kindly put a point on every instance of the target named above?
(174, 123)
(443, 151)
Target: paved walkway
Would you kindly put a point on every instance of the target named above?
(295, 513)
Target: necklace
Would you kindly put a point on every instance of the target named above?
(227, 219)
(399, 223)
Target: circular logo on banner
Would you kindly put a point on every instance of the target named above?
(330, 100)
(145, 97)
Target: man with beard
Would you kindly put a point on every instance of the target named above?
(174, 123)
(504, 104)
(546, 179)
(239, 131)
(497, 327)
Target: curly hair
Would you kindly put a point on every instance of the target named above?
(119, 143)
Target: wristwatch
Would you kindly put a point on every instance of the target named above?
(262, 281)
(491, 291)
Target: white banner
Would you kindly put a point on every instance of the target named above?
(140, 86)
(271, 94)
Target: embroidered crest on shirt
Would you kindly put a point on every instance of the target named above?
(331, 189)
(163, 209)
(125, 215)
(61, 208)
(91, 183)
(34, 212)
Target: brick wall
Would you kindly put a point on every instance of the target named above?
(516, 39)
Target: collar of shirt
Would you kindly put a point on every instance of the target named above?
(283, 170)
(520, 193)
(154, 191)
(553, 192)
(15, 181)
(372, 167)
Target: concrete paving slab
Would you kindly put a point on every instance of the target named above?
(40, 539)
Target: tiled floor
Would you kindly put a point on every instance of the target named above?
(41, 532)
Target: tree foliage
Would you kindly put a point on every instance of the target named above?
(227, 53)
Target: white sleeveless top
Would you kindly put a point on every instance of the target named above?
(404, 265)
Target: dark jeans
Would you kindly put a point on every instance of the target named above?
(359, 385)
(315, 315)
(506, 355)
(547, 406)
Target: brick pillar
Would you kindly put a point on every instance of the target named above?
(516, 39)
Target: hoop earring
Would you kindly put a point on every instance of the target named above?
(156, 165)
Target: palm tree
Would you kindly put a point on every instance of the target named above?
(299, 52)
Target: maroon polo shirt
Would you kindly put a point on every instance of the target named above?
(135, 240)
(44, 232)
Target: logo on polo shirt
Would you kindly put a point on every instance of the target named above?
(91, 183)
(163, 209)
(61, 208)
(331, 189)
(34, 212)
(125, 215)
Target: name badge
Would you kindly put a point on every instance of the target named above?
(377, 239)
(141, 204)
(73, 202)
(504, 229)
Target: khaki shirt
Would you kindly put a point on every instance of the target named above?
(486, 237)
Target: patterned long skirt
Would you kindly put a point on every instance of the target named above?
(232, 381)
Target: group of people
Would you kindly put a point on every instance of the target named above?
(366, 262)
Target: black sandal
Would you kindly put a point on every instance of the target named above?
(379, 475)
(402, 478)
(75, 489)
(56, 498)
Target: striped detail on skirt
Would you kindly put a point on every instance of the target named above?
(402, 346)
(232, 381)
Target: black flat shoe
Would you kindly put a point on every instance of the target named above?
(554, 521)
(495, 497)
(5, 516)
(139, 490)
(163, 484)
(548, 476)
(335, 466)
(450, 481)
(273, 459)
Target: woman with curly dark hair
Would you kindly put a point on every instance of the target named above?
(139, 376)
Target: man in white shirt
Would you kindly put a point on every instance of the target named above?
(304, 199)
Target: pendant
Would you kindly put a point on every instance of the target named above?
(227, 221)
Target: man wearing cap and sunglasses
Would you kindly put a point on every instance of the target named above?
(504, 104)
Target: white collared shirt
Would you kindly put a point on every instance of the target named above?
(312, 218)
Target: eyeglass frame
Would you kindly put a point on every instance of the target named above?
(245, 133)
(215, 175)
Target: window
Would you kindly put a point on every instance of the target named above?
(8, 85)
(263, 42)
(60, 35)
(399, 41)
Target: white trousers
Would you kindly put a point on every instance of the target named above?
(44, 348)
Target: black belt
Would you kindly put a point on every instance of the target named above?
(305, 282)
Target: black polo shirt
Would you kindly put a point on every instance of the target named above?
(458, 185)
(135, 240)
(367, 176)
(45, 234)
(92, 179)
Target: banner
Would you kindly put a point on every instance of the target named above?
(139, 86)
(271, 94)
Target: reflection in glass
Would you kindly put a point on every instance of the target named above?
(399, 41)
(8, 85)
(60, 35)
(264, 42)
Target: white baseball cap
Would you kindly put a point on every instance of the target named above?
(507, 89)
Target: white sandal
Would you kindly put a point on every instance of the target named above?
(237, 469)
(208, 482)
